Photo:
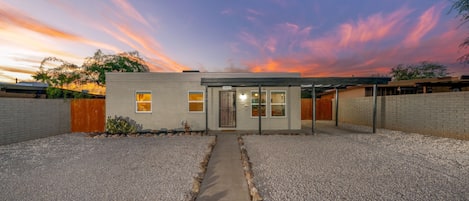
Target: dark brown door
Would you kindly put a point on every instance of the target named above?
(227, 109)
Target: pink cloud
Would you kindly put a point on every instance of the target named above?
(254, 12)
(356, 48)
(295, 29)
(16, 70)
(427, 21)
(270, 44)
(252, 15)
(375, 27)
(249, 39)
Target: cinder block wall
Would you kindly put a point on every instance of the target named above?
(439, 114)
(26, 119)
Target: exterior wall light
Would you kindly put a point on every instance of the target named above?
(243, 97)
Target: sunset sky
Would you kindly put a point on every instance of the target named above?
(316, 38)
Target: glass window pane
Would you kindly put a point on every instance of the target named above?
(196, 107)
(196, 96)
(278, 110)
(254, 111)
(278, 97)
(143, 96)
(142, 107)
(255, 97)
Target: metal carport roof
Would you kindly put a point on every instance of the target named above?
(304, 82)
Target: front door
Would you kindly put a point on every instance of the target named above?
(227, 109)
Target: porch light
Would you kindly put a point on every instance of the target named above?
(243, 96)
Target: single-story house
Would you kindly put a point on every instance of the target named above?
(23, 90)
(166, 100)
(215, 101)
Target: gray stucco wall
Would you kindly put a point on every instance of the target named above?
(170, 104)
(26, 119)
(439, 114)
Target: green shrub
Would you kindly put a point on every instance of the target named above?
(120, 125)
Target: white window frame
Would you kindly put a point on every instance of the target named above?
(261, 104)
(136, 101)
(202, 101)
(274, 104)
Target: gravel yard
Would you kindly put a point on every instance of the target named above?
(336, 165)
(74, 167)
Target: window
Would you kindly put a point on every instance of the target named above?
(277, 103)
(143, 101)
(196, 101)
(255, 103)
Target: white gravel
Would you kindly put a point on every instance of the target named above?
(73, 167)
(337, 165)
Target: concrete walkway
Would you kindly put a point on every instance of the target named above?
(224, 179)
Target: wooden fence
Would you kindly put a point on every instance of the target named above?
(323, 109)
(88, 115)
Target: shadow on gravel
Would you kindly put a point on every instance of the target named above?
(329, 128)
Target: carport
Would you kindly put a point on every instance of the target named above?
(306, 83)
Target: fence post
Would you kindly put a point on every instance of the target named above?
(375, 102)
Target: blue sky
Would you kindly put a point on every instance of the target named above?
(315, 38)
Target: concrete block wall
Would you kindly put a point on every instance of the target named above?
(26, 118)
(439, 114)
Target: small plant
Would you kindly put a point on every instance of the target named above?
(185, 125)
(120, 125)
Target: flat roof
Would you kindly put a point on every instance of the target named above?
(289, 81)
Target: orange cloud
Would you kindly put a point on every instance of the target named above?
(149, 46)
(130, 11)
(16, 70)
(17, 19)
(20, 49)
(123, 29)
(8, 77)
(129, 33)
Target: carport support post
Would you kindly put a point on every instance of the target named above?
(375, 102)
(336, 107)
(206, 110)
(259, 110)
(313, 101)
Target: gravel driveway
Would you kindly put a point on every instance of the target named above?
(74, 167)
(337, 165)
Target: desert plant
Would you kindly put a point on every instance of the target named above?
(120, 125)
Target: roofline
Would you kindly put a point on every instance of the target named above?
(289, 81)
(22, 87)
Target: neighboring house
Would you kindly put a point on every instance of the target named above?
(23, 90)
(429, 85)
(166, 100)
(416, 86)
(37, 90)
